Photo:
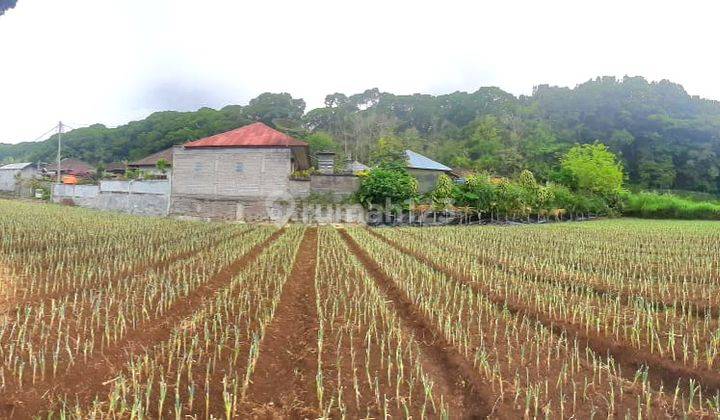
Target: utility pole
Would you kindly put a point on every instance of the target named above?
(60, 132)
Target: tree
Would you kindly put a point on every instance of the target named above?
(384, 185)
(271, 106)
(100, 171)
(162, 166)
(530, 192)
(390, 150)
(594, 169)
(444, 192)
(322, 141)
(478, 192)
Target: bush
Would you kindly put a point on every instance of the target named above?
(667, 206)
(387, 183)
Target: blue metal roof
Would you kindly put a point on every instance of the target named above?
(418, 161)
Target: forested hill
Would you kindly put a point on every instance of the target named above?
(665, 138)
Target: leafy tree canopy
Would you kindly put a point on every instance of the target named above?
(594, 168)
(387, 185)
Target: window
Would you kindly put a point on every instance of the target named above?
(198, 166)
(239, 167)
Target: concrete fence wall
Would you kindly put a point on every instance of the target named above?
(253, 210)
(159, 187)
(148, 198)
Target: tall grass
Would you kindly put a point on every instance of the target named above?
(667, 206)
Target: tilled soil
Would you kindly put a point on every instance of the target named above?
(84, 382)
(283, 384)
(660, 371)
(456, 375)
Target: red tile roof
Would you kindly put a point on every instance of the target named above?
(253, 135)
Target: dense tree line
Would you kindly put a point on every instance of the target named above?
(665, 138)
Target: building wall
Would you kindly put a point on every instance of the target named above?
(427, 179)
(207, 185)
(232, 183)
(231, 172)
(9, 181)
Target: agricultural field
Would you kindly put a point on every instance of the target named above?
(114, 316)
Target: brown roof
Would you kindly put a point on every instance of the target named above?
(153, 159)
(115, 167)
(72, 166)
(253, 135)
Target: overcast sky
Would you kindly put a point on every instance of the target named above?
(110, 61)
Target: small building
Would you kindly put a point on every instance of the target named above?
(116, 168)
(235, 175)
(425, 170)
(149, 164)
(13, 175)
(70, 166)
(325, 162)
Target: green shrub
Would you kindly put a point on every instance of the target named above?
(667, 206)
(390, 183)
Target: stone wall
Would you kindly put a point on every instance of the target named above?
(254, 210)
(334, 184)
(299, 188)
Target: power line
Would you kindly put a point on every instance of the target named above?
(45, 133)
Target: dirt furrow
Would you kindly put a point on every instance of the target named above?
(450, 368)
(630, 359)
(283, 384)
(83, 382)
(571, 282)
(161, 265)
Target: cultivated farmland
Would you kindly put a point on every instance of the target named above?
(113, 316)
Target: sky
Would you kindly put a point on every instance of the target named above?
(110, 61)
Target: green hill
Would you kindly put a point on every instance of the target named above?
(666, 138)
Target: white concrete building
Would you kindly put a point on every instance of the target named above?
(13, 175)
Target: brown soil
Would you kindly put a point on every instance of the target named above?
(572, 282)
(456, 376)
(83, 382)
(160, 265)
(5, 285)
(283, 384)
(661, 371)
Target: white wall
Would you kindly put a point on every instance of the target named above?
(7, 180)
(75, 191)
(148, 198)
(136, 187)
